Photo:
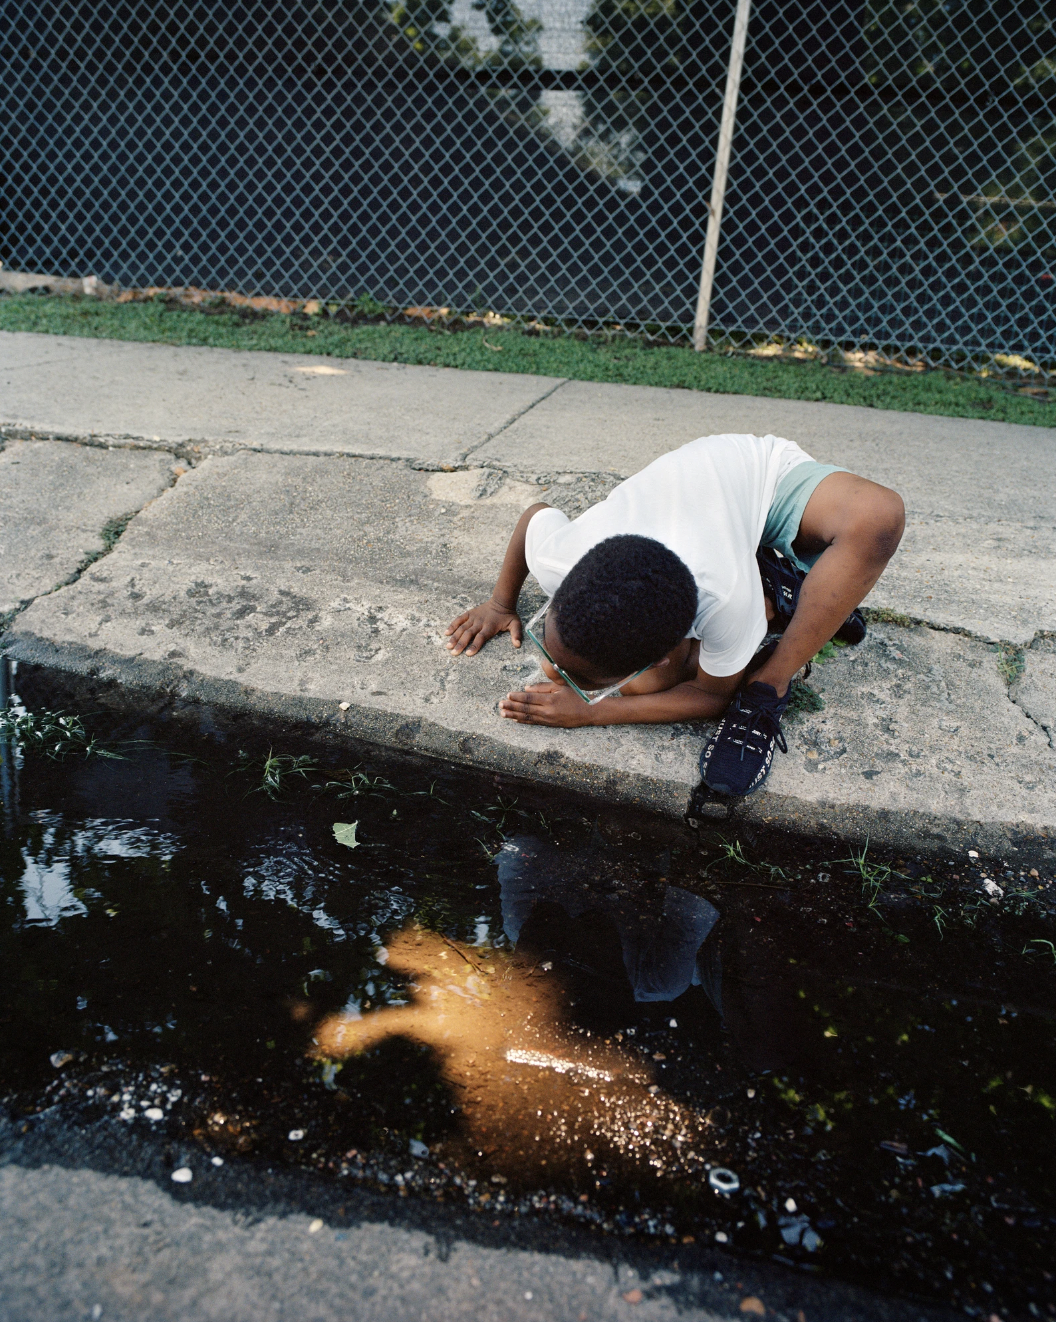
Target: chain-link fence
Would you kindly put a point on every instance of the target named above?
(892, 182)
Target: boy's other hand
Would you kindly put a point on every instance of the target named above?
(472, 629)
(547, 704)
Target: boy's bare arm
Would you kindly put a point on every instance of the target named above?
(702, 698)
(472, 629)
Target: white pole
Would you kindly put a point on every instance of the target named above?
(722, 164)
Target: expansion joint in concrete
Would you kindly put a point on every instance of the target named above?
(515, 417)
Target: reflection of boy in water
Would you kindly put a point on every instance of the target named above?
(667, 944)
(659, 943)
(679, 575)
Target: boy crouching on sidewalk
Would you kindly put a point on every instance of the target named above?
(661, 595)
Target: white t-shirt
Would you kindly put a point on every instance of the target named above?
(707, 501)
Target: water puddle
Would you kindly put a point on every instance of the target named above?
(493, 994)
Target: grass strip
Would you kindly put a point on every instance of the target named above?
(624, 361)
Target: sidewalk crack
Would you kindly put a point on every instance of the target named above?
(110, 535)
(1048, 731)
(510, 421)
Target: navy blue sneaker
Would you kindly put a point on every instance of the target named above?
(781, 583)
(853, 630)
(737, 759)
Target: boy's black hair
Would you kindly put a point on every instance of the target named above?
(625, 604)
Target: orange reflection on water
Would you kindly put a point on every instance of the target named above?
(538, 1096)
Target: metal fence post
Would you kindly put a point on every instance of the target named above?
(722, 163)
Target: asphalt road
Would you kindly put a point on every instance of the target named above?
(93, 1227)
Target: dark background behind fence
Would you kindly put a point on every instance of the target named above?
(893, 179)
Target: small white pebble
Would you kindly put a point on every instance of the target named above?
(721, 1237)
(295, 1135)
(751, 1092)
(182, 1176)
(973, 853)
(315, 1227)
(527, 1294)
(790, 1205)
(343, 706)
(217, 1161)
(672, 1023)
(154, 1113)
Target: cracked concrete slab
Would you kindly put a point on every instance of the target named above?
(290, 585)
(225, 399)
(55, 499)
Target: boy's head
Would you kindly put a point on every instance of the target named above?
(623, 606)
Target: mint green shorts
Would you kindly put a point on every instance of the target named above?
(790, 500)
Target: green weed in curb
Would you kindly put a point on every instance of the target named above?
(732, 851)
(276, 771)
(52, 733)
(804, 699)
(351, 784)
(874, 878)
(1040, 941)
(110, 535)
(1011, 661)
(884, 615)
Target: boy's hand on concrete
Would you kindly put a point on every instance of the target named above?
(547, 704)
(472, 629)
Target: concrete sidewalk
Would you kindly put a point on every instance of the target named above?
(307, 527)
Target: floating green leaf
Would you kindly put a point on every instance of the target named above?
(345, 834)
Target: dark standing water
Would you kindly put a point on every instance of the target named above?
(506, 997)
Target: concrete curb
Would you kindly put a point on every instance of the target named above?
(202, 699)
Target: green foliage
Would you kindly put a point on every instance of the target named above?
(874, 876)
(518, 36)
(276, 771)
(368, 306)
(625, 360)
(52, 733)
(974, 45)
(731, 852)
(1040, 941)
(629, 42)
(351, 784)
(884, 615)
(110, 534)
(804, 698)
(1011, 661)
(827, 653)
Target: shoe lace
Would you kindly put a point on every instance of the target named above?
(760, 721)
